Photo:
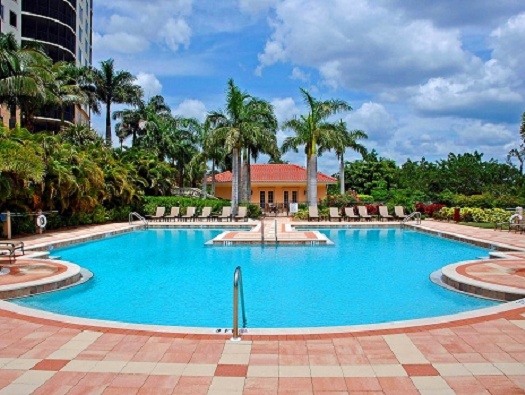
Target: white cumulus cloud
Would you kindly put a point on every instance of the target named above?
(191, 108)
(150, 84)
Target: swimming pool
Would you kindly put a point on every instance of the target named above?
(169, 277)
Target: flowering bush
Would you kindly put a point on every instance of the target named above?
(428, 209)
(339, 201)
(474, 214)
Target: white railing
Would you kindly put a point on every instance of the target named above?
(238, 289)
(138, 216)
(414, 214)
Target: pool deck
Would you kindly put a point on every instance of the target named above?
(478, 353)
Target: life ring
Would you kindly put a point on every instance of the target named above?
(41, 221)
(514, 216)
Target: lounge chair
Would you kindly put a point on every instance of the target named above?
(313, 213)
(9, 249)
(226, 214)
(363, 213)
(206, 212)
(242, 213)
(399, 212)
(334, 214)
(350, 214)
(159, 214)
(174, 214)
(190, 213)
(383, 213)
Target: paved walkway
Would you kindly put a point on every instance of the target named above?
(484, 355)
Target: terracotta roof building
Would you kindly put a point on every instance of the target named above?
(275, 184)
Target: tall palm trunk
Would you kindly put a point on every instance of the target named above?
(312, 180)
(235, 180)
(239, 173)
(342, 174)
(213, 177)
(108, 124)
(245, 177)
(205, 181)
(180, 166)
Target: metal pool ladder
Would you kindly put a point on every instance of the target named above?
(237, 286)
(414, 214)
(138, 216)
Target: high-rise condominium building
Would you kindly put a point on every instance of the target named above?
(63, 28)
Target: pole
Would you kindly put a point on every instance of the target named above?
(7, 225)
(236, 279)
(38, 228)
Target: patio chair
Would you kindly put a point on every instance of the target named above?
(206, 212)
(174, 214)
(383, 213)
(313, 213)
(190, 214)
(242, 213)
(516, 222)
(226, 214)
(350, 214)
(9, 249)
(399, 213)
(159, 214)
(363, 213)
(334, 214)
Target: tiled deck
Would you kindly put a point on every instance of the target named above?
(484, 355)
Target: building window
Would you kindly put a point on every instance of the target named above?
(2, 11)
(80, 34)
(270, 196)
(12, 18)
(286, 197)
(294, 196)
(81, 13)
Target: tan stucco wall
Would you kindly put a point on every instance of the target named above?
(224, 191)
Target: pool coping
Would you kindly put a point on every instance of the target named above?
(512, 309)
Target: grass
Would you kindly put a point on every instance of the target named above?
(483, 225)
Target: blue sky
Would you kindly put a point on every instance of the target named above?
(423, 78)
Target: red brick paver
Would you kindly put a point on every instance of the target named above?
(481, 355)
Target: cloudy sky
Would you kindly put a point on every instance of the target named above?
(424, 78)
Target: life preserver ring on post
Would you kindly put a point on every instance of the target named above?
(41, 221)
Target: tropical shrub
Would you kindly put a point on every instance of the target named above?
(365, 199)
(474, 214)
(339, 201)
(428, 209)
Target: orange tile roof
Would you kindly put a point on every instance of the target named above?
(276, 173)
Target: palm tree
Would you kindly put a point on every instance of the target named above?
(70, 86)
(344, 139)
(24, 76)
(133, 120)
(312, 130)
(245, 117)
(114, 87)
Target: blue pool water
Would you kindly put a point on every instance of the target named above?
(169, 277)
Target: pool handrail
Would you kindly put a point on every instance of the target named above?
(138, 216)
(237, 283)
(414, 214)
